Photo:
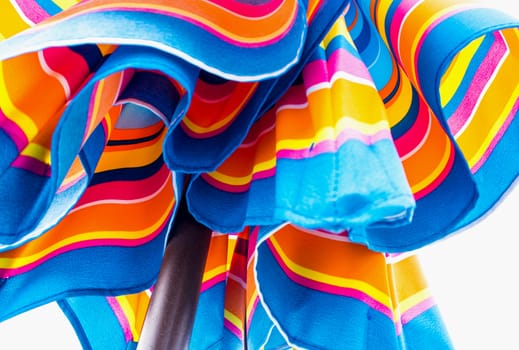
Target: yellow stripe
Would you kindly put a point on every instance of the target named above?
(382, 11)
(451, 80)
(252, 302)
(243, 180)
(37, 151)
(338, 29)
(235, 320)
(413, 300)
(426, 25)
(12, 113)
(134, 307)
(213, 273)
(341, 282)
(13, 263)
(499, 121)
(129, 314)
(11, 22)
(131, 158)
(65, 4)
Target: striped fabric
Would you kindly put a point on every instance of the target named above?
(332, 135)
(283, 293)
(383, 128)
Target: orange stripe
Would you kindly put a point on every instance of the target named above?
(320, 254)
(232, 25)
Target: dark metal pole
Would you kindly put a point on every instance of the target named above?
(170, 316)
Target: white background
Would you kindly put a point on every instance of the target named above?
(474, 277)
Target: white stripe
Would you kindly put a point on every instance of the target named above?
(59, 77)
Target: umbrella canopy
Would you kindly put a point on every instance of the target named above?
(330, 135)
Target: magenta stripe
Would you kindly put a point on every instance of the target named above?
(232, 328)
(212, 282)
(478, 83)
(408, 141)
(249, 10)
(396, 24)
(417, 310)
(121, 317)
(193, 21)
(6, 273)
(315, 72)
(13, 131)
(496, 138)
(252, 311)
(31, 164)
(330, 289)
(329, 146)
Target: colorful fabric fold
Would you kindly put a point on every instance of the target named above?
(112, 241)
(69, 58)
(336, 155)
(284, 293)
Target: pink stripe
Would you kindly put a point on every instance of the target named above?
(232, 328)
(6, 273)
(343, 61)
(13, 131)
(497, 138)
(32, 10)
(31, 164)
(330, 146)
(479, 81)
(212, 282)
(121, 317)
(90, 116)
(417, 310)
(330, 289)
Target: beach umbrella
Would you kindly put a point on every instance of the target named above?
(317, 140)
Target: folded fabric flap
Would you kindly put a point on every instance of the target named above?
(440, 92)
(81, 130)
(322, 157)
(274, 29)
(361, 300)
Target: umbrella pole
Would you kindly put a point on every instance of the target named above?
(171, 313)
